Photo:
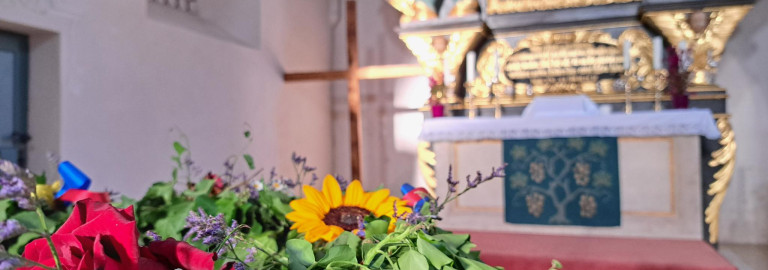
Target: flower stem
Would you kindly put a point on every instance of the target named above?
(389, 239)
(48, 239)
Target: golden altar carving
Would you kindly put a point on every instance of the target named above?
(513, 6)
(704, 31)
(515, 64)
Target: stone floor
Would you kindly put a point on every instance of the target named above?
(746, 257)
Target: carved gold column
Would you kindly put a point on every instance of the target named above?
(427, 161)
(705, 33)
(725, 157)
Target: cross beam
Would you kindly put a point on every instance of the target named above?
(353, 75)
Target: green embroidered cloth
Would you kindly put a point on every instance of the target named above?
(562, 181)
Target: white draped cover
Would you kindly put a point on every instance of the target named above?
(639, 124)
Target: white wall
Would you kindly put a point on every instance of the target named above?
(744, 214)
(126, 80)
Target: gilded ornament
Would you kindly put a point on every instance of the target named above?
(514, 6)
(427, 162)
(705, 32)
(464, 8)
(725, 157)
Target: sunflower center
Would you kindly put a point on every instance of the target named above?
(345, 216)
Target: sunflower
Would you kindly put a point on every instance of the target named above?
(326, 214)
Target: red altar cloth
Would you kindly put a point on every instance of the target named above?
(528, 252)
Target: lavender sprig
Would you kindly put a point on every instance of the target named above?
(10, 228)
(15, 189)
(471, 184)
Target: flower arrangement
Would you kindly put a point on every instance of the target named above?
(231, 221)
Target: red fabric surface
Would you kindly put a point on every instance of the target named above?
(528, 251)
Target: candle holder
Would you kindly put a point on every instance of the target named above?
(627, 93)
(660, 85)
(470, 102)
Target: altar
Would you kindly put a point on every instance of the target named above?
(657, 180)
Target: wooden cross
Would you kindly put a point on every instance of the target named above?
(353, 75)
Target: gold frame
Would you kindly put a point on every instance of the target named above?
(515, 6)
(672, 180)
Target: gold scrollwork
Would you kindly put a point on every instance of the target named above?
(705, 31)
(642, 55)
(427, 162)
(513, 6)
(447, 53)
(464, 8)
(413, 10)
(486, 63)
(725, 157)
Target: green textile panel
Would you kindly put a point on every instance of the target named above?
(562, 181)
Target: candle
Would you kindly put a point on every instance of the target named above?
(497, 68)
(471, 57)
(627, 46)
(447, 79)
(657, 49)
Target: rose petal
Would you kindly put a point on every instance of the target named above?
(181, 255)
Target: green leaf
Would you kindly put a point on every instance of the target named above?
(4, 205)
(179, 148)
(347, 239)
(227, 204)
(249, 159)
(436, 257)
(161, 190)
(124, 202)
(470, 264)
(299, 253)
(247, 133)
(207, 203)
(21, 241)
(376, 227)
(452, 241)
(31, 221)
(338, 254)
(412, 260)
(201, 188)
(41, 179)
(173, 223)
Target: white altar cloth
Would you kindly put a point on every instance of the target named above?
(639, 124)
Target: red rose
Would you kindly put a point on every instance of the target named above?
(100, 236)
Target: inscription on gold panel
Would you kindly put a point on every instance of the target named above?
(571, 62)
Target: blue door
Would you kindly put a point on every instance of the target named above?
(14, 68)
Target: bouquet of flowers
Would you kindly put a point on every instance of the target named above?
(233, 221)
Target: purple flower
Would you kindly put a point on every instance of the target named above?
(314, 179)
(471, 183)
(361, 226)
(251, 257)
(14, 188)
(240, 266)
(298, 160)
(153, 236)
(343, 183)
(10, 263)
(451, 183)
(207, 228)
(272, 174)
(10, 228)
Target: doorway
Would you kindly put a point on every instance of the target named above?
(14, 92)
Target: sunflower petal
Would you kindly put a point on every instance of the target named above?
(376, 199)
(317, 232)
(317, 198)
(304, 205)
(354, 195)
(297, 216)
(386, 208)
(332, 191)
